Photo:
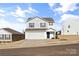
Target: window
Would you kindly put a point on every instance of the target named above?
(68, 26)
(67, 30)
(1, 36)
(31, 24)
(42, 24)
(50, 23)
(7, 36)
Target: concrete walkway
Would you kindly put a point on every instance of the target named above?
(36, 43)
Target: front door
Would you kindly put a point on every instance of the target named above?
(48, 35)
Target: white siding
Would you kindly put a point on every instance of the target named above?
(37, 22)
(3, 32)
(74, 27)
(36, 34)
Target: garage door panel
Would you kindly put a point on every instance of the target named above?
(36, 35)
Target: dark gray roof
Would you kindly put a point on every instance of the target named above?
(48, 19)
(12, 31)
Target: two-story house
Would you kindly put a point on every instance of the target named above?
(39, 28)
(70, 27)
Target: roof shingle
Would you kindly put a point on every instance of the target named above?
(12, 31)
(47, 19)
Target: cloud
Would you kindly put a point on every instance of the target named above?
(17, 26)
(32, 10)
(22, 13)
(2, 13)
(3, 23)
(64, 7)
(68, 17)
(61, 10)
(18, 12)
(20, 20)
(51, 5)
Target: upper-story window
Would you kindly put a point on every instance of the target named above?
(42, 24)
(31, 24)
(50, 23)
(68, 26)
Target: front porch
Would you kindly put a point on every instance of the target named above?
(50, 33)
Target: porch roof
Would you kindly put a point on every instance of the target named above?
(51, 30)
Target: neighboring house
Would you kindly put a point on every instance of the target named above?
(39, 28)
(7, 34)
(70, 27)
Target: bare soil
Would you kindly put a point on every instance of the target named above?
(58, 50)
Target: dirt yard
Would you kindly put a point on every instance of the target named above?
(40, 48)
(58, 50)
(36, 43)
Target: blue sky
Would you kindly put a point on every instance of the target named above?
(14, 15)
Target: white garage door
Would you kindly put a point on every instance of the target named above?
(36, 34)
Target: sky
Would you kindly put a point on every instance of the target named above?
(14, 15)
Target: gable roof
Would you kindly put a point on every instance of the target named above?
(47, 19)
(11, 31)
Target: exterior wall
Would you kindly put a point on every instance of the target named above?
(17, 37)
(36, 34)
(3, 32)
(5, 38)
(37, 22)
(73, 30)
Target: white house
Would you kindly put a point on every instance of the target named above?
(39, 28)
(7, 34)
(70, 26)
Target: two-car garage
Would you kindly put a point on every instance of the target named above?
(35, 34)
